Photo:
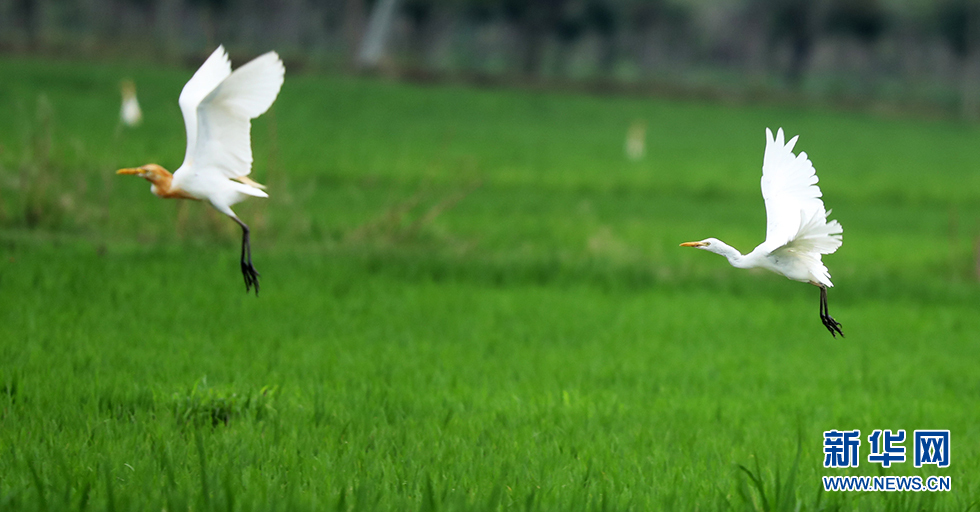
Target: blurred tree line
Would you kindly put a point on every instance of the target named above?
(904, 52)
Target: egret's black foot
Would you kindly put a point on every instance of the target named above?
(248, 270)
(251, 276)
(828, 321)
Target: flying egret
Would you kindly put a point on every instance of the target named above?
(130, 113)
(797, 229)
(218, 106)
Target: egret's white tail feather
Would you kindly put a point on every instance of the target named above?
(250, 182)
(249, 190)
(817, 269)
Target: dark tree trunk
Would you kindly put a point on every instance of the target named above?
(379, 26)
(538, 22)
(802, 48)
(354, 19)
(534, 40)
(970, 81)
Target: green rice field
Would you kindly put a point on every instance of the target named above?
(471, 300)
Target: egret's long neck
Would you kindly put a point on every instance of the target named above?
(735, 258)
(163, 186)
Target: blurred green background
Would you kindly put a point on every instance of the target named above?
(888, 54)
(472, 294)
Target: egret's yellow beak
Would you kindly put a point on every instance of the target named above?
(693, 244)
(130, 170)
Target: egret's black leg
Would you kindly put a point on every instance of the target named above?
(248, 270)
(828, 321)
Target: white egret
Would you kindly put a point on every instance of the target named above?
(218, 106)
(797, 229)
(130, 113)
(636, 141)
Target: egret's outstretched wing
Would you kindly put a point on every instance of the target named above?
(215, 69)
(814, 237)
(224, 116)
(794, 209)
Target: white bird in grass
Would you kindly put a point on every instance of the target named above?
(130, 113)
(218, 106)
(797, 229)
(636, 141)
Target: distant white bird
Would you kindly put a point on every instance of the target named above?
(218, 107)
(636, 141)
(130, 113)
(797, 229)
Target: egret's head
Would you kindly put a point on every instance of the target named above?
(716, 246)
(150, 172)
(703, 244)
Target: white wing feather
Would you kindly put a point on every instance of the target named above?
(796, 221)
(224, 116)
(794, 210)
(215, 69)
